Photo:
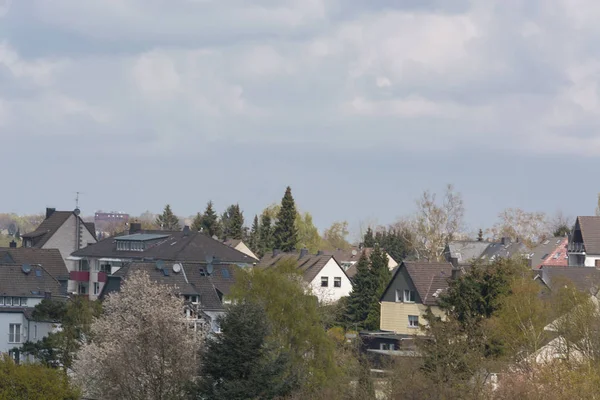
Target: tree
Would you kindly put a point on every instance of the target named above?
(197, 223)
(336, 235)
(167, 221)
(369, 239)
(254, 236)
(232, 222)
(33, 382)
(285, 233)
(210, 221)
(363, 293)
(480, 235)
(382, 275)
(265, 235)
(141, 347)
(307, 233)
(294, 317)
(514, 223)
(241, 362)
(434, 225)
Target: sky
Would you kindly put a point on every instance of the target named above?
(359, 106)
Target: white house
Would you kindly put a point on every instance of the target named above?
(323, 274)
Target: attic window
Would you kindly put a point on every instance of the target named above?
(225, 273)
(202, 272)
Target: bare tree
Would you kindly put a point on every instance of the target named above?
(434, 224)
(141, 347)
(515, 223)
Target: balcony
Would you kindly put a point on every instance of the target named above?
(576, 247)
(79, 276)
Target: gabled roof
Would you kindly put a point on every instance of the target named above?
(467, 250)
(430, 279)
(353, 255)
(91, 227)
(309, 265)
(157, 275)
(584, 278)
(50, 259)
(14, 282)
(590, 231)
(498, 250)
(50, 226)
(551, 251)
(176, 246)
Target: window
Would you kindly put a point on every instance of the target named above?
(14, 333)
(383, 346)
(1, 301)
(96, 287)
(8, 301)
(84, 265)
(413, 321)
(324, 281)
(24, 301)
(16, 301)
(409, 296)
(35, 331)
(337, 282)
(597, 263)
(82, 289)
(398, 296)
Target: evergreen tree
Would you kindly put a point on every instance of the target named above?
(363, 293)
(286, 232)
(241, 363)
(253, 237)
(480, 236)
(168, 221)
(369, 239)
(197, 223)
(210, 221)
(382, 275)
(236, 223)
(265, 241)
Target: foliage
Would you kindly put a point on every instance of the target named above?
(363, 294)
(395, 241)
(167, 220)
(141, 347)
(307, 233)
(336, 235)
(480, 235)
(197, 223)
(265, 243)
(33, 382)
(254, 236)
(369, 238)
(294, 318)
(515, 223)
(210, 221)
(241, 363)
(286, 232)
(232, 223)
(382, 275)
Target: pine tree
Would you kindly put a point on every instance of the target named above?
(286, 232)
(382, 275)
(363, 293)
(197, 223)
(480, 236)
(369, 239)
(210, 221)
(168, 221)
(235, 225)
(265, 241)
(253, 237)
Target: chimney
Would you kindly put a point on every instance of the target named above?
(454, 262)
(186, 230)
(456, 273)
(303, 252)
(13, 244)
(505, 241)
(49, 212)
(320, 253)
(276, 252)
(134, 227)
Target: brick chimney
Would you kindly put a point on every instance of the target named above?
(49, 212)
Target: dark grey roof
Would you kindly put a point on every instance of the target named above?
(590, 231)
(50, 259)
(309, 265)
(508, 250)
(51, 225)
(26, 311)
(157, 275)
(91, 227)
(14, 282)
(430, 279)
(177, 246)
(584, 278)
(551, 251)
(467, 250)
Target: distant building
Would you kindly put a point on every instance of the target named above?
(349, 258)
(241, 246)
(111, 217)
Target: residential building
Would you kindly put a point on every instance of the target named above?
(584, 242)
(465, 251)
(414, 287)
(550, 252)
(65, 231)
(584, 279)
(470, 251)
(97, 261)
(239, 245)
(349, 258)
(324, 276)
(204, 287)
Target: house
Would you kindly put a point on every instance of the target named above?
(348, 259)
(470, 251)
(550, 252)
(62, 230)
(584, 243)
(97, 261)
(465, 251)
(204, 287)
(506, 248)
(414, 287)
(323, 274)
(241, 246)
(584, 279)
(49, 259)
(22, 287)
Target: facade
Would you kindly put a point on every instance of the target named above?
(584, 243)
(65, 231)
(242, 247)
(414, 287)
(96, 262)
(324, 276)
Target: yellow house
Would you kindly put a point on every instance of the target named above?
(414, 287)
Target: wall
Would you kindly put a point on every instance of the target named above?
(331, 294)
(394, 316)
(242, 248)
(7, 318)
(590, 260)
(401, 282)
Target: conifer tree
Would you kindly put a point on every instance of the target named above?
(210, 221)
(236, 223)
(253, 237)
(286, 232)
(363, 293)
(265, 242)
(197, 223)
(480, 236)
(382, 275)
(369, 239)
(167, 220)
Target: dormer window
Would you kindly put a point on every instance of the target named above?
(138, 241)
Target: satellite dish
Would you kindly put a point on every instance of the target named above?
(354, 252)
(210, 269)
(177, 268)
(26, 268)
(77, 211)
(209, 259)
